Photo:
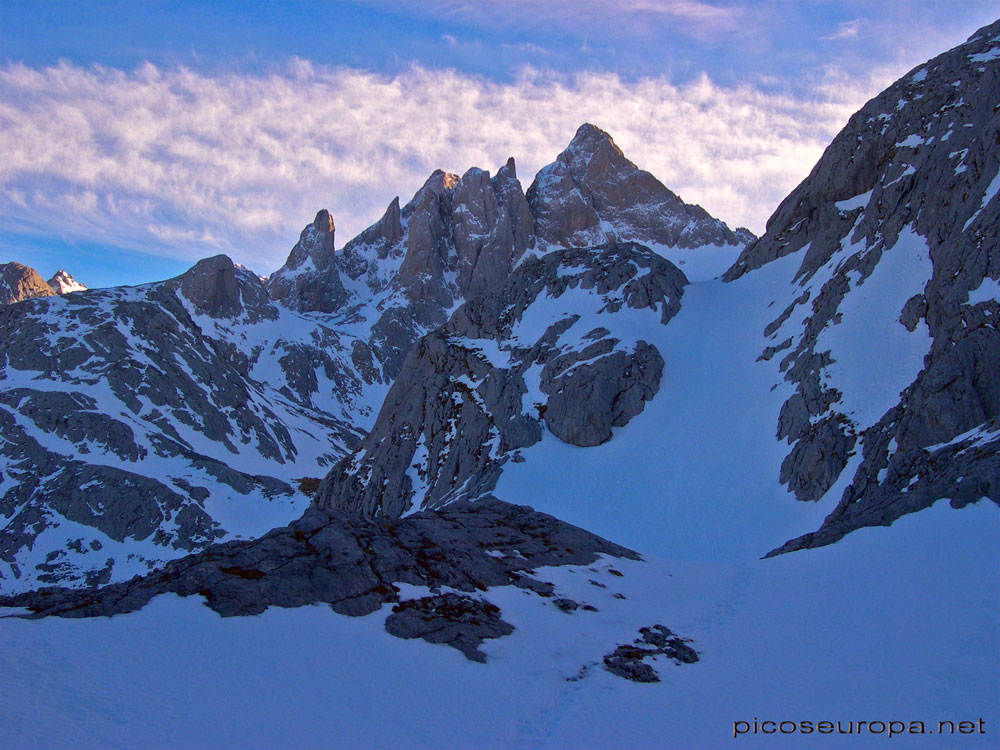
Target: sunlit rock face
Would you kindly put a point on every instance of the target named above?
(63, 283)
(19, 282)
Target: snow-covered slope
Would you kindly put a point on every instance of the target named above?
(887, 328)
(887, 625)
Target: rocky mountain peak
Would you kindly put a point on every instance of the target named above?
(315, 246)
(63, 283)
(210, 285)
(310, 281)
(436, 188)
(508, 170)
(592, 189)
(591, 142)
(219, 288)
(19, 282)
(374, 244)
(506, 180)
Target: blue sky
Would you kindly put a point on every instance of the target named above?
(140, 136)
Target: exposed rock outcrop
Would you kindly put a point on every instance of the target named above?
(629, 662)
(353, 563)
(19, 282)
(218, 288)
(458, 621)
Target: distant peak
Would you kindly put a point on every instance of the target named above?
(590, 141)
(63, 283)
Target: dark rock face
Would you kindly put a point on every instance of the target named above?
(915, 168)
(492, 228)
(457, 621)
(591, 185)
(456, 415)
(353, 562)
(19, 282)
(629, 662)
(587, 400)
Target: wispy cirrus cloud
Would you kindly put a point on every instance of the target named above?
(846, 30)
(616, 18)
(183, 164)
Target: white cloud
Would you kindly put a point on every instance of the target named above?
(185, 164)
(846, 30)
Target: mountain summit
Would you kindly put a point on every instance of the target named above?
(63, 283)
(593, 191)
(19, 282)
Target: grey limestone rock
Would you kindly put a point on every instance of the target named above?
(592, 186)
(629, 661)
(917, 164)
(450, 619)
(586, 400)
(353, 563)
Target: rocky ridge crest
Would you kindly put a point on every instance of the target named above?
(906, 189)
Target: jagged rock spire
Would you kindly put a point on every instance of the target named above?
(309, 281)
